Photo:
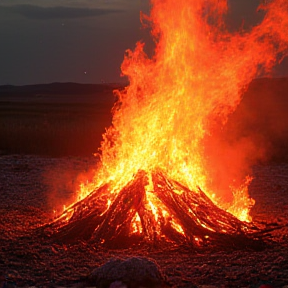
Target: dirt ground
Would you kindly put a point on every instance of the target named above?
(31, 187)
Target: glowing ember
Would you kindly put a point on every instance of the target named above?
(170, 117)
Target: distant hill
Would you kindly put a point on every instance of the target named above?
(57, 88)
(262, 86)
(278, 87)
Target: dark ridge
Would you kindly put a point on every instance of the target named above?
(58, 88)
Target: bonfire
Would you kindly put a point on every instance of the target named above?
(166, 173)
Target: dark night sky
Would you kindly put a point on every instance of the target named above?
(83, 41)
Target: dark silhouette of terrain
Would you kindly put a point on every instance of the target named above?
(57, 119)
(56, 88)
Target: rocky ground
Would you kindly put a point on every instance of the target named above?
(32, 187)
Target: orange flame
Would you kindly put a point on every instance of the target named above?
(170, 115)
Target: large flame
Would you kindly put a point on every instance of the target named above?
(171, 115)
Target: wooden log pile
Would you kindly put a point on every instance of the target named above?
(203, 224)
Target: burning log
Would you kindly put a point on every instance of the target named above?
(184, 217)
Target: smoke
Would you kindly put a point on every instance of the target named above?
(63, 179)
(262, 118)
(256, 133)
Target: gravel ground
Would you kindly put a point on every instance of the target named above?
(31, 187)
